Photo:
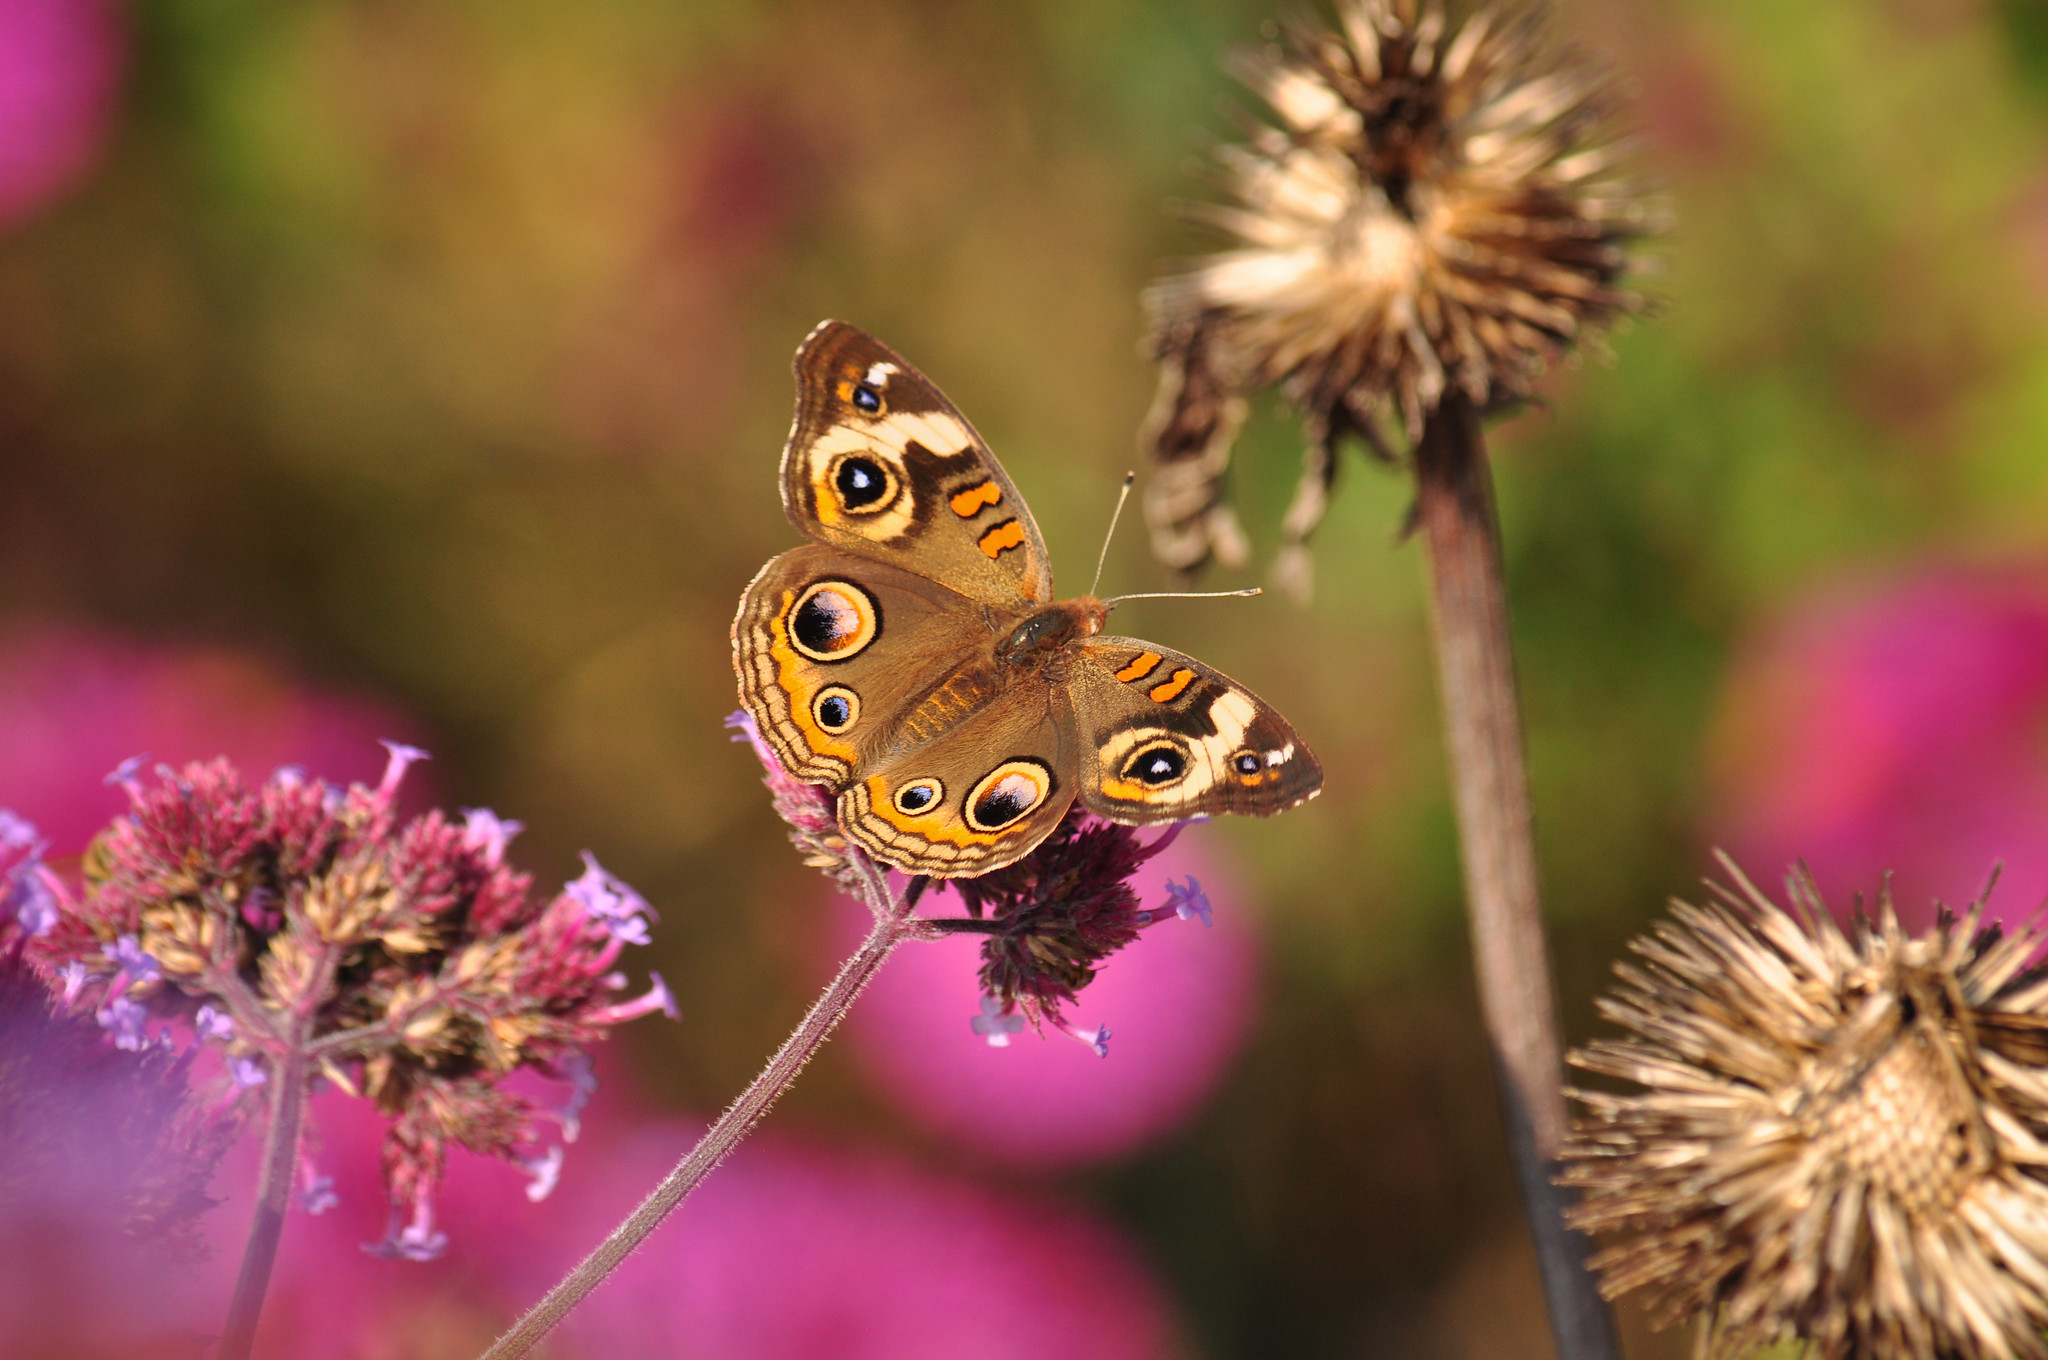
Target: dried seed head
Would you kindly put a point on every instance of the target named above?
(1839, 1137)
(1431, 212)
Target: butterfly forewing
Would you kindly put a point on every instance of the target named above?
(879, 462)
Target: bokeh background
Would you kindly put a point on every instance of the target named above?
(419, 369)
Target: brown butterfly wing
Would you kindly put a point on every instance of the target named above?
(982, 797)
(1166, 737)
(880, 463)
(840, 657)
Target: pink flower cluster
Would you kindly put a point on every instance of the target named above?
(302, 927)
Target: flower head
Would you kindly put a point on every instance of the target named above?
(401, 961)
(1837, 1136)
(1429, 214)
(1052, 917)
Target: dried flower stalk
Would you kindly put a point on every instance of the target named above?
(1431, 220)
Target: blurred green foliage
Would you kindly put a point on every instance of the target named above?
(440, 349)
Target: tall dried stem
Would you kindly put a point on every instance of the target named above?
(1483, 731)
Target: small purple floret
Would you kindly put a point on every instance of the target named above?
(247, 1072)
(624, 912)
(581, 1073)
(995, 1024)
(126, 775)
(124, 1019)
(546, 1171)
(317, 1196)
(402, 756)
(1189, 901)
(137, 964)
(485, 830)
(212, 1024)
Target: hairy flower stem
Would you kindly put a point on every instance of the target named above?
(893, 925)
(1483, 730)
(273, 1198)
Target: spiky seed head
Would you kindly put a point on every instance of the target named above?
(1430, 212)
(1835, 1136)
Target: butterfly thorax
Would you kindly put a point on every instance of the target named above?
(1051, 629)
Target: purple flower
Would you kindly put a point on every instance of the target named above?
(316, 1192)
(208, 1023)
(401, 759)
(546, 1171)
(1182, 1000)
(74, 975)
(123, 1018)
(484, 830)
(624, 912)
(28, 892)
(996, 1023)
(126, 775)
(1054, 916)
(424, 965)
(657, 997)
(414, 1239)
(1188, 900)
(136, 964)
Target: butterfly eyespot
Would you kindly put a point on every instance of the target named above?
(1247, 762)
(833, 621)
(918, 795)
(863, 484)
(1006, 793)
(867, 399)
(836, 708)
(1156, 763)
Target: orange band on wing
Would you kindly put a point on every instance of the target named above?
(1160, 694)
(1009, 534)
(938, 826)
(1144, 665)
(974, 499)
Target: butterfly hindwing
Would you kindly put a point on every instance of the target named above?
(879, 462)
(980, 797)
(1165, 737)
(838, 654)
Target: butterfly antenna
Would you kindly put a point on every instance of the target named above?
(1114, 516)
(1183, 595)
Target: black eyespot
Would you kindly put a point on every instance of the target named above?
(917, 797)
(832, 621)
(1006, 793)
(1003, 804)
(1156, 765)
(1247, 762)
(867, 398)
(836, 709)
(861, 482)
